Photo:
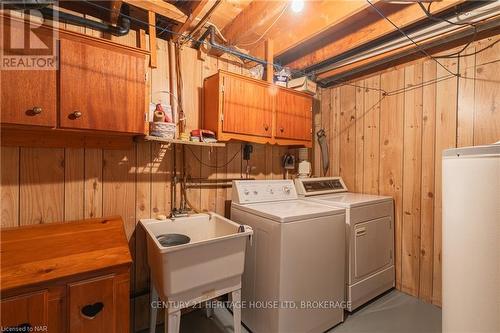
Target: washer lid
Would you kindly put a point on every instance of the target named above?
(349, 199)
(289, 211)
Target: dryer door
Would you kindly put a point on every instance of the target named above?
(372, 243)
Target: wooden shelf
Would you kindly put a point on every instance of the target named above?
(182, 142)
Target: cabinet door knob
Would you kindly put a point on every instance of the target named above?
(75, 115)
(266, 128)
(89, 311)
(282, 129)
(36, 110)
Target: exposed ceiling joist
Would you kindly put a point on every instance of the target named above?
(197, 8)
(396, 57)
(293, 29)
(160, 7)
(115, 7)
(357, 30)
(256, 15)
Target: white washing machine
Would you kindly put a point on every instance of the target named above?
(369, 236)
(295, 268)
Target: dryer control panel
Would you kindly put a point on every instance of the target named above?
(254, 191)
(320, 185)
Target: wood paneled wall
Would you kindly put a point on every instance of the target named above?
(43, 185)
(386, 135)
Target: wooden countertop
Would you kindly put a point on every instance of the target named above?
(31, 255)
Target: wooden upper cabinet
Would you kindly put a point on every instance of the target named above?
(29, 97)
(101, 88)
(237, 107)
(293, 115)
(246, 107)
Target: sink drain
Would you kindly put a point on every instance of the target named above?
(173, 239)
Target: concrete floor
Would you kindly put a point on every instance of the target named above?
(392, 312)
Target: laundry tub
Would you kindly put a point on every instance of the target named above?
(192, 260)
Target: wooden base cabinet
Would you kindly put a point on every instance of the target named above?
(66, 284)
(240, 108)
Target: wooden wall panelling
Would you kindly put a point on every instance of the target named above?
(93, 183)
(257, 162)
(160, 76)
(465, 105)
(10, 186)
(371, 134)
(347, 128)
(446, 124)
(360, 137)
(143, 199)
(335, 132)
(412, 170)
(326, 107)
(74, 183)
(390, 173)
(234, 169)
(41, 197)
(427, 187)
(119, 187)
(316, 157)
(487, 104)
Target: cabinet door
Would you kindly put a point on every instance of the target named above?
(25, 313)
(92, 306)
(101, 88)
(28, 96)
(246, 107)
(293, 116)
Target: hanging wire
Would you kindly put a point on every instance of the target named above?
(190, 38)
(214, 166)
(410, 39)
(461, 24)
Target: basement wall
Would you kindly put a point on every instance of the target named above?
(392, 145)
(43, 185)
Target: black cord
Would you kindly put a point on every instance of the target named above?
(439, 19)
(214, 166)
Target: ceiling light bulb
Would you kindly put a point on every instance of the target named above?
(297, 5)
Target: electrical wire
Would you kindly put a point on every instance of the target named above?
(214, 166)
(191, 38)
(267, 30)
(410, 39)
(462, 24)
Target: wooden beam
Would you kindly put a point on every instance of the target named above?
(409, 53)
(152, 39)
(197, 9)
(160, 7)
(357, 30)
(293, 29)
(270, 60)
(256, 15)
(115, 7)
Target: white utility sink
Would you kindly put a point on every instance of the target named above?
(194, 259)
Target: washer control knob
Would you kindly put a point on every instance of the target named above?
(255, 192)
(270, 190)
(286, 189)
(246, 192)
